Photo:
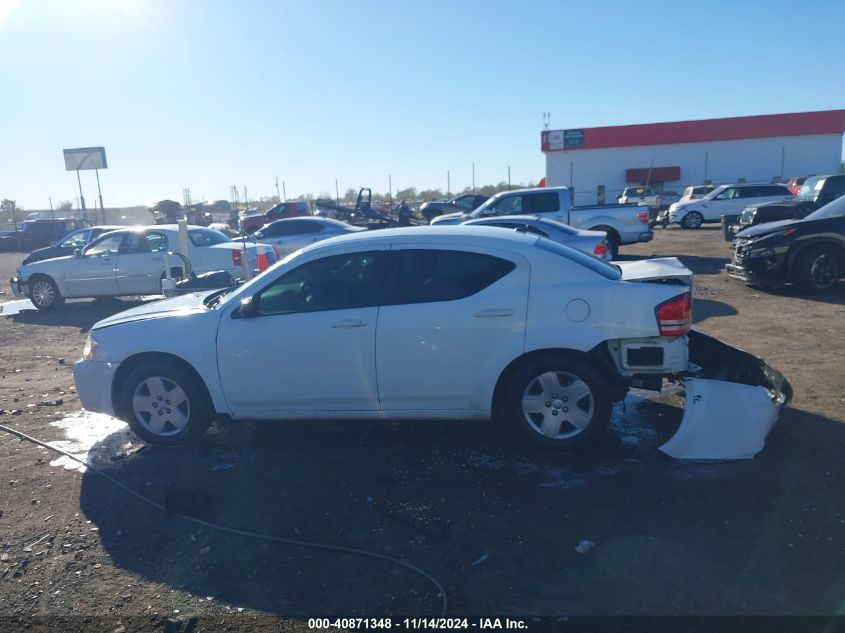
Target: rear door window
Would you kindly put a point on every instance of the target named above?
(543, 202)
(428, 276)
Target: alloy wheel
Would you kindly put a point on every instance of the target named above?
(824, 272)
(43, 294)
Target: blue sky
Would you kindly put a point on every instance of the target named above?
(210, 93)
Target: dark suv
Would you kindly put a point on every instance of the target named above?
(37, 233)
(814, 194)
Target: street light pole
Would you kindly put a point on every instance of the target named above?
(81, 197)
(100, 193)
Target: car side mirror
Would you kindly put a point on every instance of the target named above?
(248, 308)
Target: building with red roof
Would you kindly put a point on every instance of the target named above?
(670, 156)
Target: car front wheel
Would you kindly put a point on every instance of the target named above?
(692, 220)
(44, 293)
(559, 401)
(816, 270)
(165, 404)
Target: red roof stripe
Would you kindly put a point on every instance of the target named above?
(735, 128)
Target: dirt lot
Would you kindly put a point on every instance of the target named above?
(497, 525)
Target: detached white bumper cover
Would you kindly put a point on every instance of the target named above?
(731, 408)
(93, 385)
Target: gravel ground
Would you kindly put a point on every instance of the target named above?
(497, 525)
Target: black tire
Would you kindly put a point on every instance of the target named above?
(571, 375)
(692, 220)
(613, 245)
(816, 270)
(44, 293)
(197, 408)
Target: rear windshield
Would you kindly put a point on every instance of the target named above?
(207, 237)
(597, 266)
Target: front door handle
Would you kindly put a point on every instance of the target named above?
(349, 323)
(492, 313)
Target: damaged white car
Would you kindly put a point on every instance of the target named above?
(417, 323)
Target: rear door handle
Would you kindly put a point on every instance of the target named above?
(488, 314)
(349, 323)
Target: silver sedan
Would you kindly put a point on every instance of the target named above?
(591, 242)
(291, 234)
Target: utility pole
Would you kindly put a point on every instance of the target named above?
(284, 192)
(448, 184)
(390, 189)
(473, 177)
(509, 177)
(278, 195)
(336, 192)
(102, 208)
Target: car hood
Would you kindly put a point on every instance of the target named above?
(766, 227)
(452, 218)
(177, 306)
(655, 269)
(39, 254)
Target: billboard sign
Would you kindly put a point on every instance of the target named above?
(85, 158)
(561, 140)
(573, 138)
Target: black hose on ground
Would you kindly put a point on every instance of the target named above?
(441, 593)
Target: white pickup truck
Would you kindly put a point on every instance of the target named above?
(623, 223)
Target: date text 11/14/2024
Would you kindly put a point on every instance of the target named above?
(417, 623)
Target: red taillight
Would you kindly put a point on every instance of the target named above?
(642, 216)
(600, 249)
(674, 317)
(237, 260)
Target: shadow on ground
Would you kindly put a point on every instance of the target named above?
(704, 309)
(81, 314)
(495, 522)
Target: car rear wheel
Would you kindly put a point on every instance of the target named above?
(165, 404)
(559, 402)
(44, 294)
(816, 270)
(692, 220)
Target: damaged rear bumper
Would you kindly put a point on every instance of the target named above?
(732, 401)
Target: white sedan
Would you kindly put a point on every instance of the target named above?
(291, 234)
(131, 261)
(447, 323)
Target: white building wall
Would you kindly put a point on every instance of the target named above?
(719, 161)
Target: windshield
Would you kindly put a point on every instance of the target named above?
(835, 209)
(715, 192)
(811, 187)
(207, 237)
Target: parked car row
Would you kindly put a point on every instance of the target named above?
(132, 261)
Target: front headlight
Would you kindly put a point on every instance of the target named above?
(90, 349)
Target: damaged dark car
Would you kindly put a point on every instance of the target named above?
(808, 253)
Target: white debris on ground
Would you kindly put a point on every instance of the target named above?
(584, 547)
(8, 308)
(88, 435)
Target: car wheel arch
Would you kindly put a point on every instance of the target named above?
(598, 357)
(129, 364)
(837, 247)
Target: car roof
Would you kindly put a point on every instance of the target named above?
(489, 235)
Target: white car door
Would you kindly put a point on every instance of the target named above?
(140, 263)
(450, 322)
(728, 202)
(309, 347)
(92, 274)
